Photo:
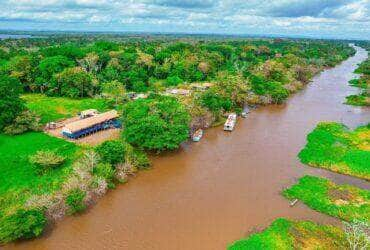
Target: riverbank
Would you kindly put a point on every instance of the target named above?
(236, 167)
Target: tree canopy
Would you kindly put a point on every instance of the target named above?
(11, 105)
(157, 123)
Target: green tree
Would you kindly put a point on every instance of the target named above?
(11, 105)
(112, 152)
(215, 102)
(23, 68)
(75, 201)
(157, 123)
(52, 65)
(115, 90)
(23, 224)
(73, 82)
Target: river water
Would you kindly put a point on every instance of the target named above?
(210, 193)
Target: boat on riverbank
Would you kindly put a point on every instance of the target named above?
(197, 135)
(245, 112)
(230, 122)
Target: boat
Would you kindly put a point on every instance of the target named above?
(230, 122)
(197, 135)
(245, 112)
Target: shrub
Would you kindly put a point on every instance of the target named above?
(10, 103)
(112, 152)
(46, 159)
(106, 171)
(173, 81)
(23, 224)
(140, 159)
(75, 201)
(215, 102)
(25, 121)
(278, 93)
(136, 158)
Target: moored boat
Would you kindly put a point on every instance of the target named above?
(245, 112)
(197, 135)
(230, 122)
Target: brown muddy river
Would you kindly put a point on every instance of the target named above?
(218, 190)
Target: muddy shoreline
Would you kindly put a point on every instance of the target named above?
(211, 193)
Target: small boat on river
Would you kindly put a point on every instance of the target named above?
(245, 112)
(230, 122)
(197, 135)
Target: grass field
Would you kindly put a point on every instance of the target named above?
(334, 147)
(18, 177)
(55, 108)
(286, 234)
(341, 201)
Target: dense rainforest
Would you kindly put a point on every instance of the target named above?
(44, 79)
(261, 71)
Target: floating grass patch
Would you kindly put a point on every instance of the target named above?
(286, 234)
(55, 108)
(362, 99)
(334, 147)
(342, 201)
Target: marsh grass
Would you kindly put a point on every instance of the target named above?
(334, 147)
(287, 234)
(342, 201)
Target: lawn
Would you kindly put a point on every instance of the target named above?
(342, 201)
(55, 108)
(286, 234)
(334, 147)
(18, 177)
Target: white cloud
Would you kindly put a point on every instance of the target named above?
(317, 17)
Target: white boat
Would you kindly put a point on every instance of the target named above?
(197, 135)
(230, 122)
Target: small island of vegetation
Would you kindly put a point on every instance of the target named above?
(287, 234)
(334, 147)
(363, 83)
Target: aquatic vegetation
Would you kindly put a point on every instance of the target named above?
(346, 202)
(287, 234)
(334, 147)
(363, 98)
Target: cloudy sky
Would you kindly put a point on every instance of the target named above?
(318, 18)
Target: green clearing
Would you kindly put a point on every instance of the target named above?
(286, 234)
(55, 108)
(19, 179)
(342, 201)
(334, 147)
